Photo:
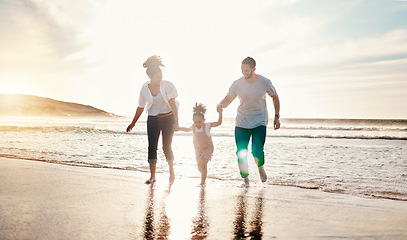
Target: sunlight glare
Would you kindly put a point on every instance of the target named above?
(13, 84)
(181, 211)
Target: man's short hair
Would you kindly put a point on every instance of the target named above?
(249, 61)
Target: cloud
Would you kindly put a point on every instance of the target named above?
(39, 37)
(352, 53)
(324, 33)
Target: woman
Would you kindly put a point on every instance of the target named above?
(159, 96)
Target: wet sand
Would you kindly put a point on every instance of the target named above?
(40, 200)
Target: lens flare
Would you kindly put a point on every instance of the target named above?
(242, 154)
(243, 164)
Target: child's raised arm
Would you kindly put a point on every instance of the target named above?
(184, 129)
(219, 122)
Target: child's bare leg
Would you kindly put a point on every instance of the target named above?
(199, 163)
(203, 170)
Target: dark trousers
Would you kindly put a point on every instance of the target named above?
(242, 138)
(156, 126)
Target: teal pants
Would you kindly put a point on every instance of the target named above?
(242, 138)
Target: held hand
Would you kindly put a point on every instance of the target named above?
(219, 108)
(130, 127)
(276, 123)
(176, 126)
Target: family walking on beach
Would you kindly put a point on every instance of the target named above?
(158, 97)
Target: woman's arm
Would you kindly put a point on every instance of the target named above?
(174, 109)
(139, 111)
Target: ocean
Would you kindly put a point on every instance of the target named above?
(366, 158)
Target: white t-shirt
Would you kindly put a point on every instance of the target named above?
(252, 111)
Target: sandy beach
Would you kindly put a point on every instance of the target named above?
(41, 200)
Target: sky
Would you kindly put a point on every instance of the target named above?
(326, 58)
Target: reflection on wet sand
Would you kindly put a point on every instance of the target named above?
(181, 213)
(149, 216)
(240, 226)
(164, 225)
(200, 224)
(151, 230)
(177, 215)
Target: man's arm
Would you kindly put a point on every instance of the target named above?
(219, 122)
(225, 102)
(276, 103)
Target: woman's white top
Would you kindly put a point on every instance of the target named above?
(167, 91)
(159, 106)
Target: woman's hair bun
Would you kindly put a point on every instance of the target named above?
(153, 62)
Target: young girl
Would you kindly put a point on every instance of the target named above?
(202, 138)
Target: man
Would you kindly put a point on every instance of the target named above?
(252, 116)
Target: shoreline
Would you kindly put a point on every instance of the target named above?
(89, 165)
(52, 201)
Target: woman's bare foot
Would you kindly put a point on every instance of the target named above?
(150, 181)
(172, 176)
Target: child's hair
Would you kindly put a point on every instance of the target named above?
(199, 110)
(153, 65)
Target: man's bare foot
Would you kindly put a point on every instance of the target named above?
(246, 182)
(150, 181)
(263, 175)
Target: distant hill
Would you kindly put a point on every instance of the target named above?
(28, 105)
